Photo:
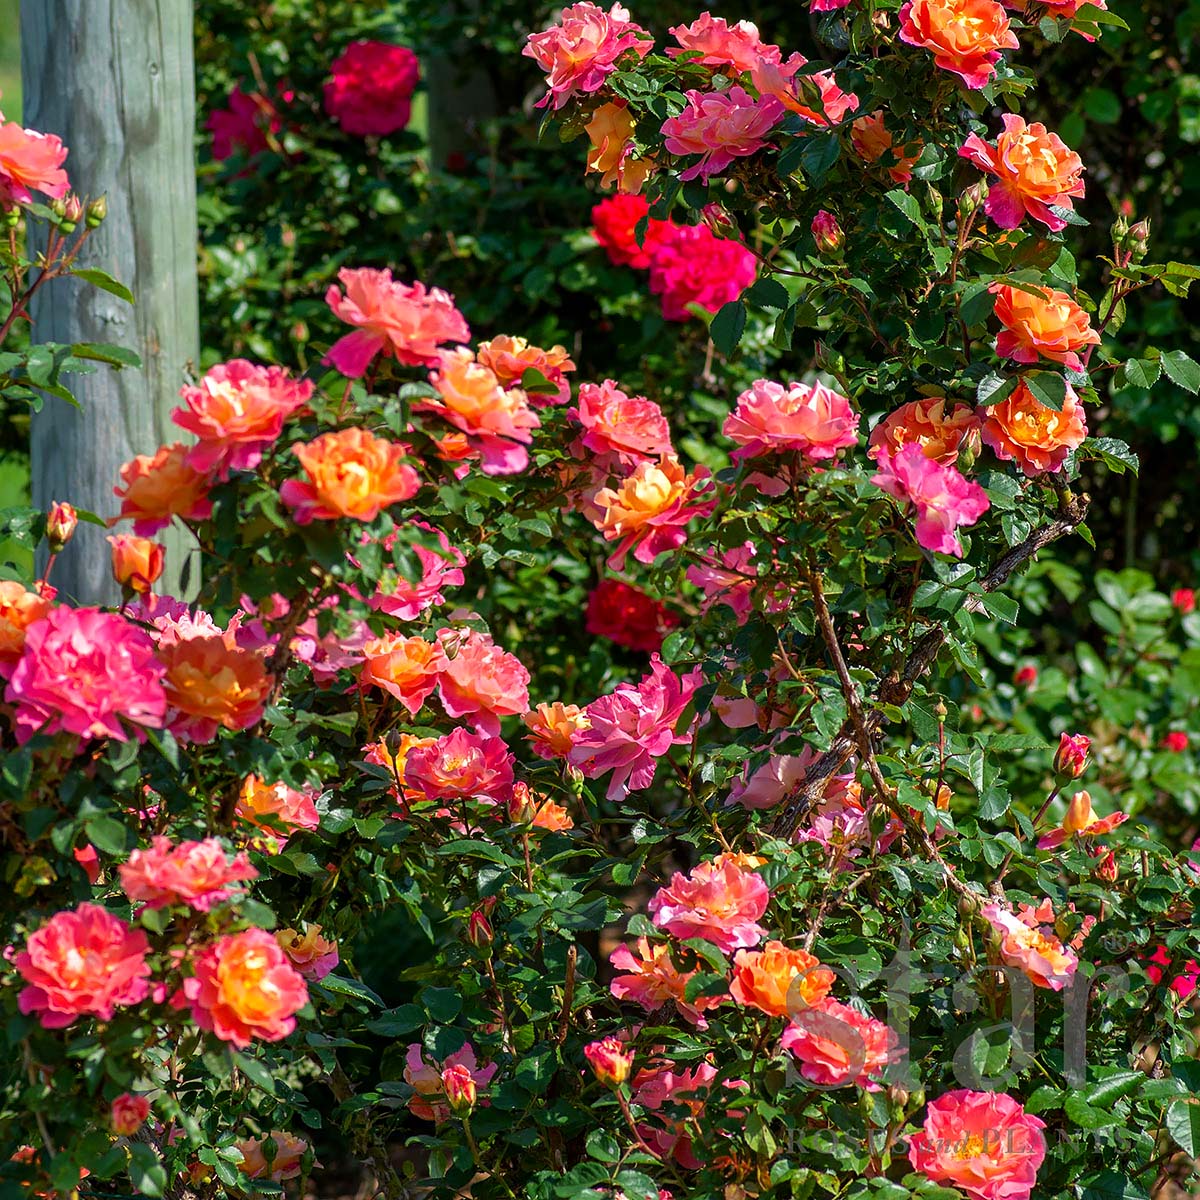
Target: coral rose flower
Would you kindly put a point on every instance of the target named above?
(939, 434)
(497, 421)
(237, 411)
(1023, 430)
(244, 988)
(461, 766)
(964, 36)
(1044, 322)
(1031, 947)
(398, 320)
(719, 44)
(649, 510)
(429, 1099)
(627, 616)
(816, 98)
(351, 473)
(394, 760)
(554, 727)
(287, 1160)
(18, 610)
(1081, 821)
(275, 808)
(160, 486)
(480, 682)
(691, 265)
(371, 88)
(197, 874)
(311, 954)
(82, 963)
(508, 358)
(580, 52)
(720, 126)
(30, 162)
(405, 667)
(136, 562)
(127, 1114)
(655, 980)
(441, 568)
(720, 902)
(615, 224)
(1034, 170)
(983, 1143)
(613, 155)
(83, 671)
(778, 980)
(872, 141)
(552, 817)
(773, 418)
(621, 431)
(836, 1045)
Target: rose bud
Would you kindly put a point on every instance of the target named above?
(521, 808)
(479, 931)
(1026, 677)
(60, 525)
(1176, 741)
(1107, 869)
(97, 210)
(136, 562)
(610, 1061)
(1184, 600)
(128, 1114)
(460, 1089)
(827, 233)
(1071, 758)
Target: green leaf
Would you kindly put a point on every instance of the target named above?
(603, 1146)
(993, 388)
(1115, 454)
(104, 281)
(350, 987)
(907, 204)
(257, 1072)
(818, 153)
(535, 383)
(727, 327)
(1110, 1185)
(469, 848)
(767, 293)
(637, 1186)
(115, 356)
(1141, 372)
(1048, 388)
(399, 1021)
(1182, 370)
(1086, 1116)
(1123, 1083)
(106, 834)
(146, 1173)
(1183, 1124)
(442, 1004)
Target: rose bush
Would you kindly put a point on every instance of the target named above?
(790, 895)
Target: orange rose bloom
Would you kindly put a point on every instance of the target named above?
(610, 131)
(926, 422)
(378, 753)
(136, 561)
(1021, 429)
(351, 473)
(778, 981)
(212, 682)
(552, 816)
(18, 610)
(508, 358)
(160, 486)
(872, 141)
(964, 36)
(405, 667)
(1048, 323)
(552, 728)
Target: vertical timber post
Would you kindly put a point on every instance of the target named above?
(115, 80)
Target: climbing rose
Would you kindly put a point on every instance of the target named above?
(241, 127)
(633, 727)
(940, 434)
(404, 667)
(237, 411)
(244, 988)
(627, 616)
(84, 962)
(614, 156)
(18, 610)
(1044, 322)
(508, 358)
(311, 954)
(719, 901)
(943, 499)
(716, 43)
(286, 1163)
(1023, 430)
(30, 162)
(197, 874)
(1034, 171)
(983, 1143)
(127, 1114)
(774, 418)
(403, 321)
(440, 569)
(816, 98)
(160, 486)
(872, 141)
(428, 1101)
(1032, 947)
(964, 36)
(779, 980)
(461, 765)
(554, 727)
(136, 562)
(81, 672)
(1183, 985)
(379, 754)
(720, 126)
(481, 682)
(351, 473)
(1081, 821)
(371, 88)
(614, 224)
(581, 51)
(285, 808)
(836, 1045)
(619, 430)
(654, 980)
(691, 265)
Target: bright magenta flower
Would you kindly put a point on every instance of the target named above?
(720, 126)
(371, 88)
(689, 264)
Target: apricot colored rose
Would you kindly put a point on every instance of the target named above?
(964, 36)
(1032, 947)
(553, 726)
(160, 486)
(481, 682)
(395, 759)
(720, 902)
(552, 816)
(926, 422)
(311, 954)
(815, 98)
(872, 140)
(136, 561)
(613, 156)
(1034, 171)
(285, 808)
(1041, 322)
(508, 358)
(351, 473)
(778, 980)
(18, 610)
(404, 667)
(244, 988)
(286, 1163)
(653, 980)
(1023, 430)
(1081, 821)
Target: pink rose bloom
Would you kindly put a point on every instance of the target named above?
(403, 321)
(197, 874)
(128, 1113)
(440, 569)
(480, 682)
(311, 954)
(581, 52)
(666, 1088)
(1184, 985)
(720, 901)
(816, 98)
(773, 418)
(242, 126)
(828, 5)
(619, 430)
(82, 963)
(633, 727)
(944, 500)
(839, 823)
(720, 126)
(460, 766)
(836, 1045)
(691, 265)
(1032, 947)
(983, 1143)
(731, 580)
(276, 809)
(653, 980)
(429, 1099)
(779, 776)
(497, 421)
(371, 88)
(30, 162)
(236, 412)
(81, 672)
(720, 44)
(287, 1160)
(327, 655)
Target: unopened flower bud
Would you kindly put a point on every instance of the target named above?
(1071, 757)
(461, 1092)
(610, 1061)
(60, 525)
(58, 206)
(1026, 676)
(827, 233)
(479, 931)
(97, 210)
(521, 808)
(1137, 242)
(72, 211)
(136, 562)
(1184, 600)
(1119, 230)
(718, 220)
(300, 331)
(1107, 870)
(968, 448)
(971, 199)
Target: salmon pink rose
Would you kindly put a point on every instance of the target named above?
(197, 874)
(508, 358)
(404, 667)
(873, 142)
(774, 418)
(461, 766)
(983, 1143)
(311, 954)
(627, 616)
(275, 808)
(160, 486)
(940, 434)
(619, 430)
(554, 727)
(779, 980)
(729, 580)
(441, 568)
(370, 92)
(1023, 430)
(965, 37)
(429, 1101)
(18, 610)
(720, 902)
(1032, 947)
(836, 1045)
(403, 321)
(128, 1114)
(481, 682)
(715, 43)
(816, 98)
(1045, 322)
(653, 980)
(393, 754)
(30, 162)
(692, 265)
(1034, 172)
(720, 126)
(286, 1160)
(244, 988)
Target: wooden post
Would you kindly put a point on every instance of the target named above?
(115, 80)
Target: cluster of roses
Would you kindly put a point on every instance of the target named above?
(369, 93)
